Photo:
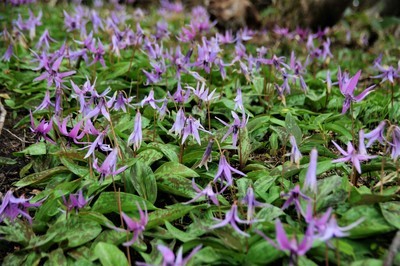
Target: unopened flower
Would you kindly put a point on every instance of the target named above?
(136, 137)
(310, 181)
(295, 154)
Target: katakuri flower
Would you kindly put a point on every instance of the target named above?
(347, 86)
(232, 218)
(11, 207)
(224, 172)
(310, 181)
(136, 137)
(208, 192)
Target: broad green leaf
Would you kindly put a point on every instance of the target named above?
(173, 212)
(373, 224)
(34, 149)
(178, 234)
(391, 213)
(292, 128)
(149, 156)
(57, 257)
(40, 177)
(17, 232)
(367, 262)
(143, 180)
(110, 255)
(176, 185)
(339, 129)
(167, 149)
(244, 146)
(13, 259)
(263, 253)
(175, 168)
(75, 168)
(7, 161)
(108, 202)
(76, 231)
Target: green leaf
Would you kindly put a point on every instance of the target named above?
(40, 177)
(244, 146)
(176, 185)
(173, 212)
(175, 168)
(373, 224)
(110, 255)
(391, 213)
(76, 231)
(108, 202)
(167, 149)
(17, 232)
(263, 253)
(149, 156)
(33, 150)
(339, 129)
(178, 234)
(367, 262)
(292, 128)
(75, 168)
(143, 180)
(57, 257)
(7, 161)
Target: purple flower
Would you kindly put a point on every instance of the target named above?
(76, 201)
(207, 192)
(234, 127)
(169, 258)
(122, 102)
(11, 207)
(238, 100)
(387, 73)
(74, 133)
(232, 218)
(42, 129)
(109, 166)
(311, 177)
(179, 123)
(98, 54)
(347, 87)
(395, 144)
(137, 227)
(326, 226)
(295, 154)
(250, 201)
(376, 134)
(44, 40)
(294, 196)
(7, 55)
(53, 76)
(192, 127)
(136, 137)
(46, 103)
(202, 92)
(224, 172)
(149, 100)
(98, 142)
(351, 155)
(207, 154)
(295, 247)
